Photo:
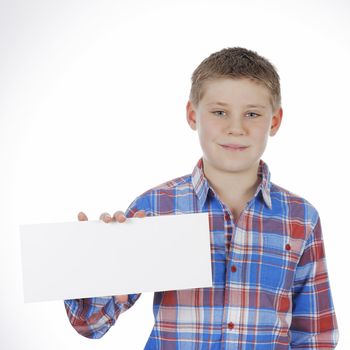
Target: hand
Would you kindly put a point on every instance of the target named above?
(118, 216)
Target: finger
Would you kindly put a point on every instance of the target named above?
(119, 216)
(82, 217)
(105, 217)
(140, 214)
(121, 298)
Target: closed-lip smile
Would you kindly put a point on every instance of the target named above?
(234, 146)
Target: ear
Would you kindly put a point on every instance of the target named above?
(191, 115)
(276, 121)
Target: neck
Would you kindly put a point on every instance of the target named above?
(232, 185)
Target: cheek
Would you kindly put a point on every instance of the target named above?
(207, 131)
(204, 130)
(208, 137)
(261, 133)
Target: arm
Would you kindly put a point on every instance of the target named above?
(314, 325)
(93, 317)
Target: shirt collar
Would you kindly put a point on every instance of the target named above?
(201, 186)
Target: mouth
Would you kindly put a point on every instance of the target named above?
(234, 147)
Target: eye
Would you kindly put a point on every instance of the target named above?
(219, 113)
(252, 115)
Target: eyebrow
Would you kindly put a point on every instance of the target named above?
(256, 106)
(226, 104)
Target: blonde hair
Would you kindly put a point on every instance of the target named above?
(236, 63)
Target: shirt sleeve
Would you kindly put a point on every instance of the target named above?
(93, 317)
(314, 325)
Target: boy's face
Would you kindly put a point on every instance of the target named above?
(234, 119)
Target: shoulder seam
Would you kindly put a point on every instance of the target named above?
(178, 181)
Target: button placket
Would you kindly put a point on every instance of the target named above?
(232, 314)
(228, 233)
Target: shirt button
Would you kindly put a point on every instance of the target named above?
(227, 217)
(288, 247)
(231, 325)
(233, 268)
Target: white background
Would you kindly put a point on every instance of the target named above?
(92, 113)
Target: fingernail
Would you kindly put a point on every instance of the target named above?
(121, 218)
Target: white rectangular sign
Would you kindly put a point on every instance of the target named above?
(91, 258)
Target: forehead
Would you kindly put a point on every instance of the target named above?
(235, 91)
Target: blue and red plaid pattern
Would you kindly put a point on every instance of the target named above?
(270, 283)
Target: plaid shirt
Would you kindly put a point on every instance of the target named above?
(270, 283)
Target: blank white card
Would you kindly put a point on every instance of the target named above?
(91, 258)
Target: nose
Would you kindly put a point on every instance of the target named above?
(235, 127)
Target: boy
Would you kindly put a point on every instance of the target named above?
(270, 283)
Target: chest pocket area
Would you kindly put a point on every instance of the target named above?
(277, 262)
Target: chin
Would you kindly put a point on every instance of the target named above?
(232, 166)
